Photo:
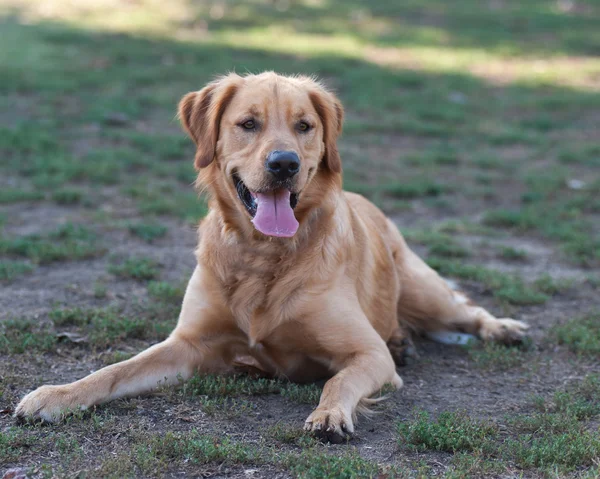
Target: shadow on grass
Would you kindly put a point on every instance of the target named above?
(543, 27)
(63, 88)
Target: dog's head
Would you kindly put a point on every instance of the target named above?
(267, 141)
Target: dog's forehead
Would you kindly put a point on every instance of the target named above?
(259, 96)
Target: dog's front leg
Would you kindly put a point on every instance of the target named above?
(364, 365)
(194, 344)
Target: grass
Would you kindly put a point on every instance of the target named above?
(97, 328)
(68, 196)
(580, 335)
(236, 386)
(10, 195)
(512, 254)
(12, 269)
(105, 327)
(493, 356)
(148, 231)
(554, 440)
(450, 432)
(505, 287)
(474, 118)
(165, 292)
(68, 242)
(24, 336)
(139, 269)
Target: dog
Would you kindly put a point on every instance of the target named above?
(295, 278)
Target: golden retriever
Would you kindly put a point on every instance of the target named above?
(294, 277)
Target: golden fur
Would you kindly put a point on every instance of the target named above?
(325, 303)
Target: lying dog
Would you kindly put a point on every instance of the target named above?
(295, 277)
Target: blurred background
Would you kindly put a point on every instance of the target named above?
(453, 108)
(474, 124)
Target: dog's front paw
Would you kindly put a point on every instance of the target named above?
(47, 403)
(506, 330)
(333, 425)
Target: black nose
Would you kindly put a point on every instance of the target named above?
(283, 164)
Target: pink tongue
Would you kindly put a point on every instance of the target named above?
(274, 215)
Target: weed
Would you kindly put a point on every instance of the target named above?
(315, 464)
(67, 196)
(23, 336)
(69, 242)
(580, 335)
(440, 244)
(202, 449)
(415, 189)
(494, 356)
(451, 432)
(289, 434)
(9, 195)
(512, 254)
(100, 289)
(571, 449)
(12, 440)
(11, 269)
(140, 269)
(148, 231)
(106, 327)
(302, 393)
(165, 292)
(233, 386)
(505, 287)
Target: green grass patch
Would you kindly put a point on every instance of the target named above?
(512, 254)
(103, 327)
(9, 270)
(494, 356)
(574, 449)
(18, 336)
(556, 212)
(12, 442)
(416, 188)
(166, 292)
(148, 231)
(236, 386)
(580, 335)
(67, 196)
(290, 434)
(554, 441)
(140, 269)
(167, 198)
(505, 287)
(154, 453)
(14, 195)
(449, 432)
(440, 244)
(316, 464)
(68, 242)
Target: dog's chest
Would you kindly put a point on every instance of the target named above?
(261, 290)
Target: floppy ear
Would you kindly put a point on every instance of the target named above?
(200, 115)
(331, 113)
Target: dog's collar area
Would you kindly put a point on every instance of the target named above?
(249, 200)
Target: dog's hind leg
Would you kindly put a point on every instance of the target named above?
(401, 346)
(429, 305)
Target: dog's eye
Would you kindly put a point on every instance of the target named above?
(248, 125)
(303, 127)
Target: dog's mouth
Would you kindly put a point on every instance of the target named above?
(271, 211)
